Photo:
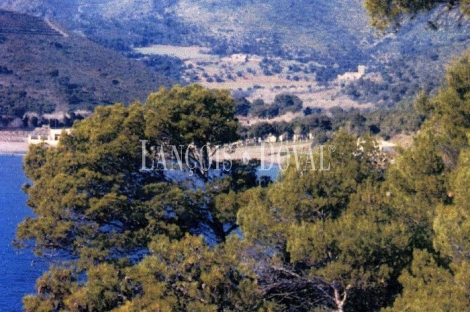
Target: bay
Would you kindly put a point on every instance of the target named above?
(19, 269)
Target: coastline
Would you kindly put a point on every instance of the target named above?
(14, 143)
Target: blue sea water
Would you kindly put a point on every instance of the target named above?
(19, 269)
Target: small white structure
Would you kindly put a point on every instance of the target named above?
(46, 135)
(350, 76)
(382, 145)
(387, 147)
(283, 137)
(271, 139)
(238, 58)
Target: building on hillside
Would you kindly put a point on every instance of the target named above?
(237, 58)
(46, 135)
(271, 139)
(351, 76)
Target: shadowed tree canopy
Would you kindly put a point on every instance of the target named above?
(440, 281)
(326, 240)
(177, 275)
(430, 184)
(92, 200)
(89, 194)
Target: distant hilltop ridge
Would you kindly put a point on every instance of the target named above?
(22, 24)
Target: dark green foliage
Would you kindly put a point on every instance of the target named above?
(388, 122)
(384, 122)
(90, 187)
(429, 186)
(316, 232)
(439, 281)
(287, 103)
(419, 227)
(342, 229)
(282, 104)
(92, 200)
(259, 108)
(242, 106)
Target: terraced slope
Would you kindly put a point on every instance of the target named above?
(20, 24)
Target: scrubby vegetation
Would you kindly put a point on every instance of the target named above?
(282, 104)
(405, 118)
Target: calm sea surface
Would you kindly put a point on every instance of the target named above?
(19, 269)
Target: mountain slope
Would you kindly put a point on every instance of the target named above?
(41, 70)
(335, 28)
(335, 34)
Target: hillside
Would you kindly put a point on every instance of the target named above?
(301, 44)
(45, 69)
(326, 28)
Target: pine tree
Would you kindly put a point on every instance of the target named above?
(93, 202)
(326, 239)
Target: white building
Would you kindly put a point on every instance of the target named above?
(283, 137)
(46, 135)
(350, 76)
(271, 139)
